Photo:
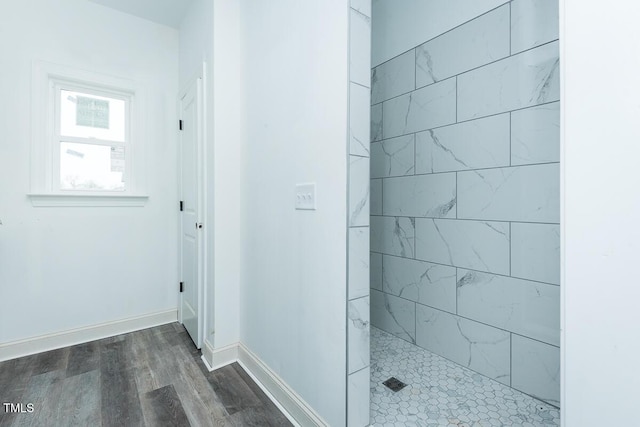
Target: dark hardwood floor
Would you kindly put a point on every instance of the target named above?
(153, 377)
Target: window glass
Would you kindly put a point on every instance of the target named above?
(91, 167)
(90, 116)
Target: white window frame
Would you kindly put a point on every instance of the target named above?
(48, 80)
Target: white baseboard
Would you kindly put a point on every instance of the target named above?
(216, 358)
(14, 349)
(283, 396)
(291, 404)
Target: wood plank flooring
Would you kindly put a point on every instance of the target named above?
(153, 377)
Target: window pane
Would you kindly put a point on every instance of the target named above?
(91, 116)
(91, 167)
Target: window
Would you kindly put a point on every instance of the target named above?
(91, 138)
(84, 145)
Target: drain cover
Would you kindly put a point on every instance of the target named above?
(394, 384)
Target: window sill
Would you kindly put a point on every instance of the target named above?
(89, 200)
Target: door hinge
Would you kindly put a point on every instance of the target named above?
(181, 286)
(181, 205)
(180, 124)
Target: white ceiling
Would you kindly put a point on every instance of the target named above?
(166, 12)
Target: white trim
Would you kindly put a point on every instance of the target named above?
(74, 200)
(284, 397)
(14, 349)
(43, 155)
(216, 358)
(292, 405)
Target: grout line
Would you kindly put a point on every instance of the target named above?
(467, 318)
(510, 249)
(470, 120)
(465, 268)
(511, 360)
(468, 219)
(442, 34)
(468, 170)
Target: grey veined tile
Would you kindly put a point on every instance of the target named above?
(358, 191)
(393, 78)
(480, 245)
(535, 252)
(478, 42)
(536, 369)
(524, 80)
(425, 108)
(535, 135)
(527, 308)
(358, 262)
(358, 398)
(358, 312)
(394, 315)
(359, 122)
(393, 157)
(360, 48)
(430, 284)
(376, 271)
(376, 197)
(522, 193)
(429, 196)
(474, 345)
(482, 143)
(376, 123)
(393, 235)
(362, 6)
(533, 22)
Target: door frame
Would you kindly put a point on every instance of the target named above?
(198, 80)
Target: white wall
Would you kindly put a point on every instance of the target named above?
(293, 294)
(601, 211)
(417, 21)
(64, 268)
(210, 33)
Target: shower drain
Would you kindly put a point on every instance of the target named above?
(394, 384)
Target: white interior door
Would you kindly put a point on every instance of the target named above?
(191, 227)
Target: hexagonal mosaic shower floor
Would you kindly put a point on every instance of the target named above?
(443, 393)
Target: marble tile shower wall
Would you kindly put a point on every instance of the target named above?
(465, 194)
(358, 310)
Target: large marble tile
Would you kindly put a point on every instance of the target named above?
(393, 78)
(393, 157)
(536, 369)
(429, 284)
(476, 346)
(376, 197)
(469, 244)
(394, 315)
(358, 334)
(362, 6)
(393, 235)
(359, 122)
(535, 135)
(478, 42)
(476, 144)
(376, 123)
(358, 191)
(524, 80)
(429, 196)
(375, 271)
(425, 108)
(527, 308)
(533, 22)
(522, 193)
(358, 262)
(535, 252)
(360, 48)
(358, 398)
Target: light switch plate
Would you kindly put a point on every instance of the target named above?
(306, 196)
